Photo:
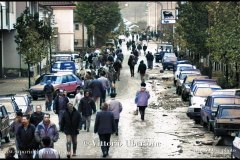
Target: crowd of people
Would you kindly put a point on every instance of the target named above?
(36, 135)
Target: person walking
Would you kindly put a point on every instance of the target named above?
(70, 125)
(144, 49)
(26, 139)
(77, 98)
(48, 90)
(60, 105)
(150, 59)
(142, 70)
(115, 106)
(104, 126)
(86, 106)
(37, 116)
(14, 128)
(131, 64)
(141, 100)
(106, 85)
(46, 128)
(47, 152)
(97, 90)
(117, 66)
(10, 153)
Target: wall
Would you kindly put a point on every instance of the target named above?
(64, 22)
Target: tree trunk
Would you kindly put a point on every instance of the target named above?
(83, 36)
(29, 76)
(237, 74)
(210, 67)
(227, 74)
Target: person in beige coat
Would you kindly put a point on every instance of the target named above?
(115, 106)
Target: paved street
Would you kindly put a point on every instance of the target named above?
(166, 132)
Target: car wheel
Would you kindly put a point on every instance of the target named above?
(174, 82)
(197, 121)
(7, 138)
(168, 68)
(184, 98)
(209, 126)
(35, 97)
(177, 90)
(202, 123)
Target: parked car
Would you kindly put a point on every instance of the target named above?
(4, 125)
(234, 92)
(209, 110)
(181, 77)
(158, 55)
(61, 81)
(186, 85)
(235, 153)
(227, 120)
(198, 81)
(38, 80)
(17, 102)
(169, 62)
(181, 67)
(181, 62)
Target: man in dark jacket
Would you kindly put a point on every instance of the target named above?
(48, 90)
(60, 105)
(97, 90)
(117, 66)
(26, 139)
(144, 49)
(37, 116)
(70, 125)
(142, 70)
(86, 106)
(150, 58)
(104, 126)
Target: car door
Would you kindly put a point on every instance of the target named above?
(5, 122)
(205, 109)
(65, 84)
(72, 82)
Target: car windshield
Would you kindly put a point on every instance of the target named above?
(8, 106)
(225, 100)
(204, 92)
(54, 79)
(185, 67)
(20, 101)
(183, 75)
(56, 66)
(230, 113)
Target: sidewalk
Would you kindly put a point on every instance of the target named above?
(14, 85)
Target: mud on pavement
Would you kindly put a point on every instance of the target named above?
(194, 140)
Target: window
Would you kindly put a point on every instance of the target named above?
(76, 26)
(64, 79)
(71, 78)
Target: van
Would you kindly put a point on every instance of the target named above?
(64, 66)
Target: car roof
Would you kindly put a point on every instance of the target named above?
(189, 70)
(184, 65)
(200, 80)
(226, 90)
(229, 105)
(60, 73)
(203, 85)
(64, 62)
(224, 96)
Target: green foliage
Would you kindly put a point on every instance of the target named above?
(100, 18)
(31, 36)
(192, 26)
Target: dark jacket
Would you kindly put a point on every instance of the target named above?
(96, 88)
(104, 123)
(117, 65)
(48, 89)
(56, 103)
(144, 48)
(70, 122)
(36, 118)
(26, 139)
(86, 106)
(142, 68)
(131, 61)
(149, 57)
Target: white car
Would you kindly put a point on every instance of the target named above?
(181, 67)
(198, 98)
(201, 91)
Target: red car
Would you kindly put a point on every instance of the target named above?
(61, 81)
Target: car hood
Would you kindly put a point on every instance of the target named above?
(198, 100)
(195, 106)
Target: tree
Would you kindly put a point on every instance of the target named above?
(29, 39)
(142, 25)
(100, 18)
